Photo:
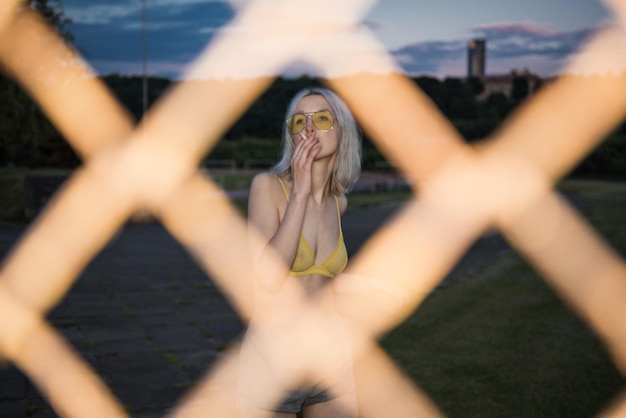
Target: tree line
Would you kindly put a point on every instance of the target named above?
(455, 97)
(26, 135)
(28, 139)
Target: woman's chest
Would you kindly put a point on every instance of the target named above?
(321, 230)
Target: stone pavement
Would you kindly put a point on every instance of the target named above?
(151, 323)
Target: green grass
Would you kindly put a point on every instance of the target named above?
(607, 207)
(504, 345)
(31, 409)
(12, 198)
(12, 190)
(373, 199)
(172, 358)
(233, 181)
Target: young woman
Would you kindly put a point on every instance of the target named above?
(296, 208)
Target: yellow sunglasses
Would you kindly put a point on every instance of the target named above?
(323, 120)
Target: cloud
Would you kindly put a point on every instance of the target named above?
(541, 49)
(506, 29)
(154, 26)
(101, 14)
(170, 3)
(176, 31)
(524, 39)
(168, 69)
(428, 57)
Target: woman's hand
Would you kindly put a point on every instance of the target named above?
(306, 150)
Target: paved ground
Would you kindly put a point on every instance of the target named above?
(150, 322)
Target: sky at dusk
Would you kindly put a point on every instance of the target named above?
(425, 37)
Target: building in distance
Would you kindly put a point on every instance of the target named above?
(476, 58)
(516, 85)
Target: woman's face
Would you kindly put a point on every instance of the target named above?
(329, 138)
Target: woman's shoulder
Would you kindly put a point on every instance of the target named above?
(267, 191)
(264, 179)
(265, 182)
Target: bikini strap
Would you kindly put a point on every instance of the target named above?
(284, 188)
(338, 215)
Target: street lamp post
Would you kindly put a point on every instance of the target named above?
(144, 56)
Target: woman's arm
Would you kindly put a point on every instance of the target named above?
(275, 235)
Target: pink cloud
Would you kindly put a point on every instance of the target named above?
(529, 28)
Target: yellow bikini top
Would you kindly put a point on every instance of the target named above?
(304, 263)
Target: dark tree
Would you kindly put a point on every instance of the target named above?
(53, 12)
(264, 119)
(129, 91)
(519, 89)
(476, 85)
(26, 136)
(497, 106)
(460, 100)
(434, 88)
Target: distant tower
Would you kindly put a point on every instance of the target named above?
(476, 58)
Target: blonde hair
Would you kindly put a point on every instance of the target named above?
(348, 164)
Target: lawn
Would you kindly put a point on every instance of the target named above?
(12, 190)
(503, 345)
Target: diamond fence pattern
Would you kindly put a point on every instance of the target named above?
(504, 182)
